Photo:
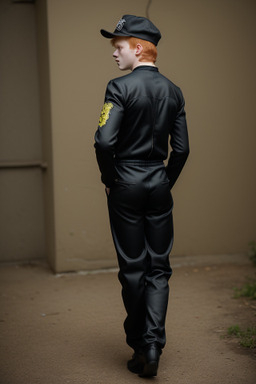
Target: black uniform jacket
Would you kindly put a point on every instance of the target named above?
(142, 111)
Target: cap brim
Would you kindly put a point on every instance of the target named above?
(110, 35)
(107, 34)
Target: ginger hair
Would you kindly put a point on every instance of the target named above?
(149, 52)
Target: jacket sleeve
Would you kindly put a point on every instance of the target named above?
(179, 143)
(107, 132)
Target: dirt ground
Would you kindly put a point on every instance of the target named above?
(67, 328)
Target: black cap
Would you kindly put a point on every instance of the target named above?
(135, 26)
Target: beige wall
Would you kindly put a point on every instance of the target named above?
(213, 58)
(21, 199)
(46, 124)
(208, 49)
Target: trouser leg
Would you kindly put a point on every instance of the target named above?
(127, 227)
(159, 240)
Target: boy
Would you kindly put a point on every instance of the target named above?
(142, 110)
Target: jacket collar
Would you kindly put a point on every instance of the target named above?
(146, 67)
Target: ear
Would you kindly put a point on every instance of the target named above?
(138, 49)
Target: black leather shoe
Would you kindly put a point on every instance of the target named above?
(136, 364)
(151, 356)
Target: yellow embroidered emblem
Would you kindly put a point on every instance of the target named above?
(104, 116)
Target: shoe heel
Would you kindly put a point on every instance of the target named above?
(150, 369)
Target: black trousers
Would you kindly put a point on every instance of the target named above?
(140, 210)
